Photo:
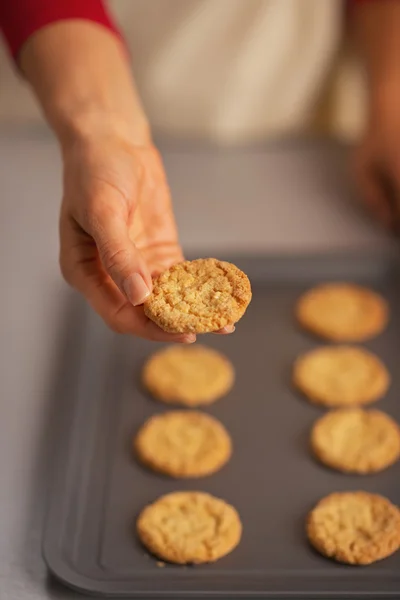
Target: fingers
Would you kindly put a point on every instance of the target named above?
(373, 192)
(391, 186)
(375, 198)
(119, 256)
(82, 269)
(105, 266)
(119, 314)
(225, 330)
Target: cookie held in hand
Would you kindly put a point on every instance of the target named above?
(199, 296)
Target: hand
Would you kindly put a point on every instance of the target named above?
(117, 227)
(117, 230)
(377, 173)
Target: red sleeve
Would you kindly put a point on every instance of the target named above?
(19, 19)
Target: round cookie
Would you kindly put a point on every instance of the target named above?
(189, 528)
(188, 375)
(341, 376)
(357, 528)
(183, 444)
(356, 440)
(342, 312)
(198, 296)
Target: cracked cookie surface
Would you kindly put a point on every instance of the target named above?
(356, 440)
(339, 376)
(198, 296)
(183, 444)
(188, 375)
(189, 528)
(354, 527)
(342, 312)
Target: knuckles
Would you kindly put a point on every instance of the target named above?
(114, 258)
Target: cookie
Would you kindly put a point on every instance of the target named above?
(189, 528)
(341, 376)
(342, 312)
(356, 440)
(357, 528)
(183, 444)
(198, 296)
(188, 375)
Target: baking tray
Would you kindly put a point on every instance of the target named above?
(98, 489)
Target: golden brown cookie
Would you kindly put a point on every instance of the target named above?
(341, 376)
(356, 440)
(357, 528)
(198, 296)
(183, 443)
(188, 375)
(189, 528)
(342, 312)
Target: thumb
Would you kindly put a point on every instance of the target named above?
(120, 257)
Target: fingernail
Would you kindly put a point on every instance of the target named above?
(136, 289)
(190, 338)
(228, 329)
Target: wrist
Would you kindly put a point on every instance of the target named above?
(376, 28)
(81, 75)
(94, 122)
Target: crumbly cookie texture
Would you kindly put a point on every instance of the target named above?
(189, 528)
(183, 443)
(357, 528)
(198, 296)
(188, 375)
(356, 440)
(341, 376)
(342, 312)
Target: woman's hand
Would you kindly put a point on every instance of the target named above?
(117, 229)
(117, 226)
(376, 170)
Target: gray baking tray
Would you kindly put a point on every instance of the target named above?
(98, 489)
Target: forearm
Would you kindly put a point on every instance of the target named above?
(80, 74)
(376, 28)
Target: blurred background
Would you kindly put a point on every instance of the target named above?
(228, 80)
(231, 71)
